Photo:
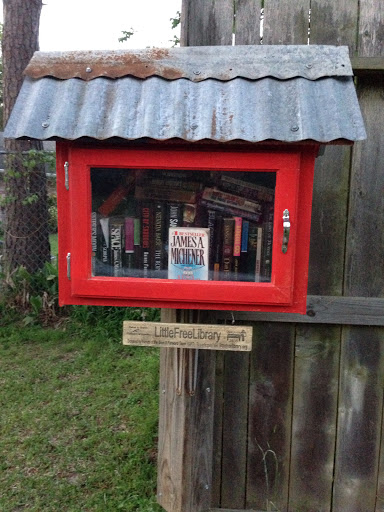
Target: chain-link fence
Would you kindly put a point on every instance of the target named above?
(28, 212)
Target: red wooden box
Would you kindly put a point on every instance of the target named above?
(103, 175)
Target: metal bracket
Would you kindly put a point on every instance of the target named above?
(69, 266)
(286, 228)
(66, 175)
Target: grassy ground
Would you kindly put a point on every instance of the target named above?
(78, 421)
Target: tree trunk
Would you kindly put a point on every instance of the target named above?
(26, 210)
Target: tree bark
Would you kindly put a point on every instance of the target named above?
(26, 210)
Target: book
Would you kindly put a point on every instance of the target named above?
(146, 225)
(247, 189)
(158, 228)
(104, 256)
(117, 196)
(165, 194)
(225, 199)
(228, 236)
(237, 248)
(94, 220)
(259, 247)
(217, 244)
(266, 263)
(117, 245)
(188, 253)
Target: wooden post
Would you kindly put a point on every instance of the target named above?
(185, 426)
(186, 421)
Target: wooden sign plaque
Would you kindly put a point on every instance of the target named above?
(201, 336)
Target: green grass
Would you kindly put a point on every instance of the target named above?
(78, 420)
(54, 244)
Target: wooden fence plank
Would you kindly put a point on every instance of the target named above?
(365, 263)
(286, 22)
(321, 310)
(328, 225)
(247, 22)
(270, 417)
(235, 430)
(335, 22)
(207, 22)
(371, 29)
(314, 418)
(361, 391)
(218, 431)
(360, 415)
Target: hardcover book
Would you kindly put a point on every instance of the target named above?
(117, 245)
(228, 237)
(188, 256)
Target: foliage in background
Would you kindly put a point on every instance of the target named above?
(127, 34)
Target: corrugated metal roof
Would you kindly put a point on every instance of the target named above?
(252, 110)
(196, 63)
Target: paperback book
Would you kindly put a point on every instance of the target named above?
(188, 256)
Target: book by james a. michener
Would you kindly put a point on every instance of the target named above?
(188, 256)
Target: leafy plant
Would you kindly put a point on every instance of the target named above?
(31, 297)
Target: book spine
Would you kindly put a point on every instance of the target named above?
(218, 241)
(158, 263)
(115, 198)
(117, 246)
(250, 261)
(231, 200)
(145, 237)
(237, 248)
(129, 235)
(228, 235)
(94, 242)
(211, 226)
(266, 264)
(246, 189)
(230, 210)
(165, 194)
(259, 245)
(104, 256)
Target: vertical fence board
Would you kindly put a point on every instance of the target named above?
(371, 29)
(235, 426)
(334, 22)
(247, 23)
(218, 430)
(360, 411)
(365, 264)
(361, 390)
(207, 22)
(314, 418)
(270, 417)
(286, 22)
(198, 454)
(328, 224)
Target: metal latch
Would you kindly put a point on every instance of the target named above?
(66, 175)
(286, 230)
(69, 266)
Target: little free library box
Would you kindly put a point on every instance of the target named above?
(185, 175)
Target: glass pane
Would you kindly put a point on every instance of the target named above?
(170, 224)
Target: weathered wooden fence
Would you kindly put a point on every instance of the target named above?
(298, 423)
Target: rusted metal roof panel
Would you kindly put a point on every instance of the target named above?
(290, 110)
(196, 63)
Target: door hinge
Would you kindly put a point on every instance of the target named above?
(69, 266)
(66, 175)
